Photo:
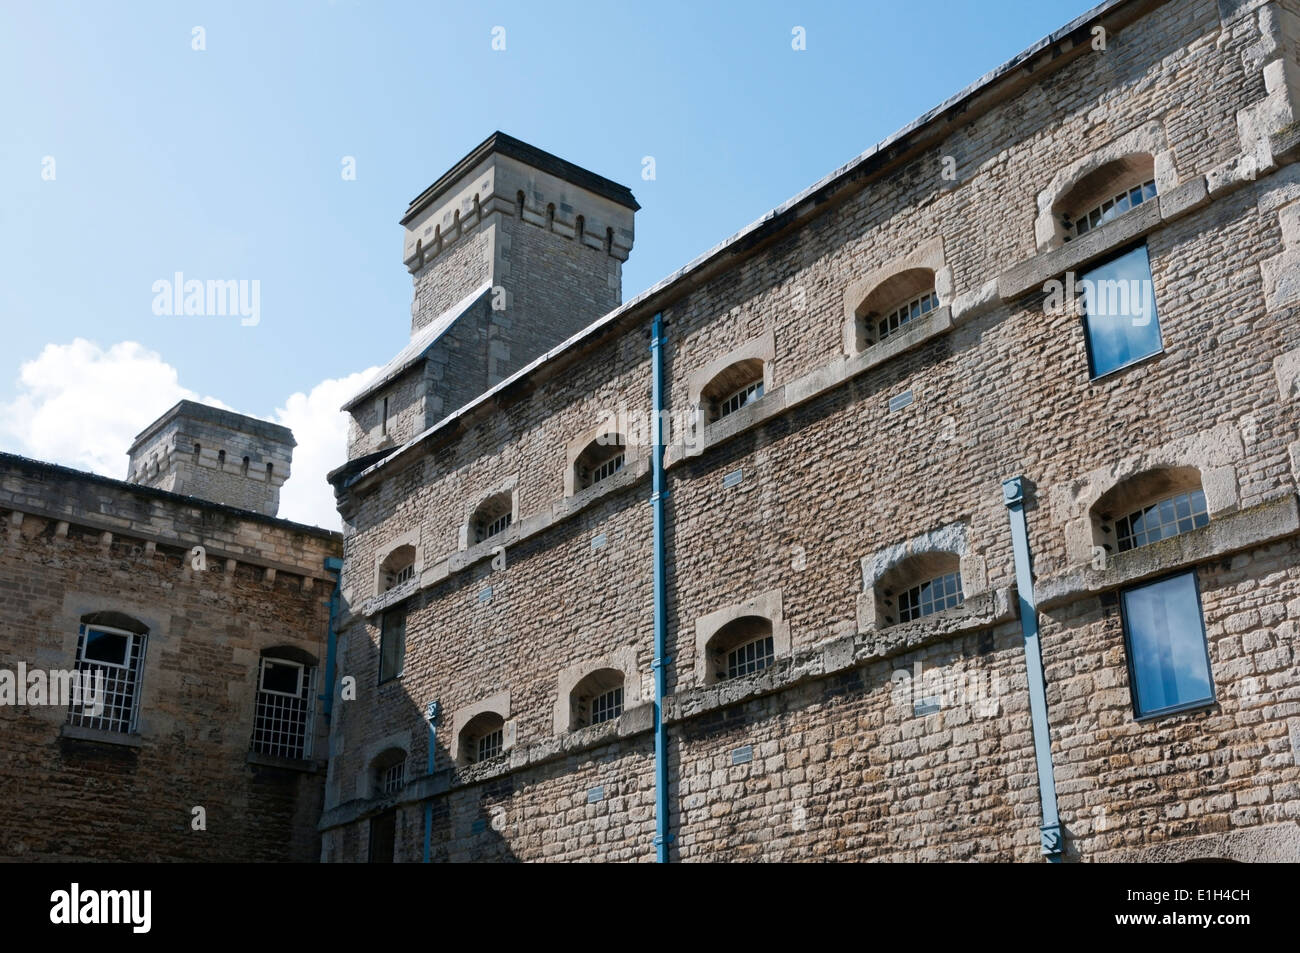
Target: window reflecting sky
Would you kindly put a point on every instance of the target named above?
(1167, 644)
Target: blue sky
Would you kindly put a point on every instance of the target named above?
(224, 163)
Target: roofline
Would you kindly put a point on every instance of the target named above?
(200, 411)
(533, 156)
(27, 463)
(802, 207)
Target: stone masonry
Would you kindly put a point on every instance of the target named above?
(867, 460)
(208, 590)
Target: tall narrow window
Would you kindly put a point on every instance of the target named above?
(1121, 323)
(197, 450)
(383, 837)
(1169, 662)
(392, 645)
(383, 427)
(579, 227)
(110, 662)
(550, 217)
(285, 702)
(243, 467)
(520, 200)
(221, 459)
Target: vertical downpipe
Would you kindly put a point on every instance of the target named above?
(660, 663)
(335, 565)
(431, 716)
(1050, 834)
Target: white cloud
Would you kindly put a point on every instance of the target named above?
(82, 406)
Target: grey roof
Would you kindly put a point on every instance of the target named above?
(533, 156)
(419, 345)
(241, 423)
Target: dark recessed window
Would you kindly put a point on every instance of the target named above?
(1120, 320)
(1169, 663)
(392, 648)
(930, 597)
(1178, 514)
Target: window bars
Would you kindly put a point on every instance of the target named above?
(930, 597)
(1112, 208)
(733, 402)
(285, 703)
(607, 705)
(116, 657)
(905, 314)
(393, 777)
(751, 657)
(1178, 514)
(489, 745)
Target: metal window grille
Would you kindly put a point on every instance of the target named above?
(746, 395)
(487, 530)
(606, 469)
(393, 777)
(489, 745)
(1178, 514)
(282, 726)
(117, 657)
(905, 314)
(930, 597)
(1113, 207)
(395, 579)
(751, 657)
(607, 705)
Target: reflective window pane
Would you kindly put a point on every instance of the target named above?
(1121, 322)
(1166, 645)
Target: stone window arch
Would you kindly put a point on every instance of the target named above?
(893, 304)
(900, 292)
(598, 698)
(602, 457)
(397, 568)
(492, 517)
(741, 640)
(918, 586)
(598, 690)
(388, 771)
(733, 380)
(482, 738)
(1105, 193)
(1149, 506)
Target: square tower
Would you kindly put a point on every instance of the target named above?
(215, 455)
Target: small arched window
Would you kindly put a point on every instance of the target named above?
(221, 458)
(197, 451)
(579, 227)
(735, 387)
(397, 568)
(1149, 507)
(482, 738)
(895, 303)
(520, 200)
(478, 209)
(389, 772)
(602, 458)
(596, 699)
(492, 517)
(609, 241)
(550, 217)
(243, 467)
(455, 225)
(920, 586)
(1106, 193)
(741, 647)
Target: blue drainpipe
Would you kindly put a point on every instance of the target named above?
(431, 716)
(335, 565)
(661, 660)
(1051, 834)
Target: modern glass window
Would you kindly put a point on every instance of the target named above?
(930, 597)
(282, 722)
(1169, 662)
(113, 658)
(392, 645)
(751, 657)
(607, 705)
(906, 313)
(489, 745)
(1178, 514)
(1120, 321)
(1113, 207)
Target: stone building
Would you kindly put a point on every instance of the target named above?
(200, 623)
(979, 525)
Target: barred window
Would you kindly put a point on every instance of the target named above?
(733, 402)
(936, 595)
(602, 458)
(1169, 517)
(393, 777)
(493, 516)
(285, 704)
(110, 662)
(1111, 208)
(906, 313)
(398, 568)
(607, 706)
(489, 746)
(750, 657)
